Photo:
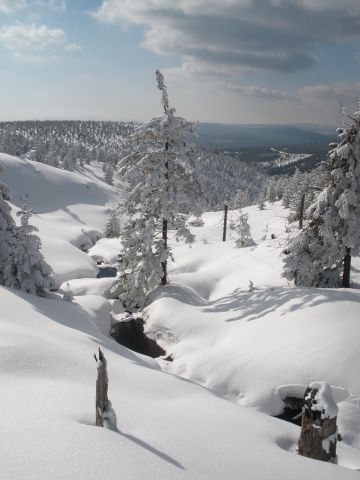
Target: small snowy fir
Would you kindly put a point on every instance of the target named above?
(112, 227)
(242, 229)
(28, 270)
(7, 229)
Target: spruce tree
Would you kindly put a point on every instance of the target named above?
(112, 227)
(27, 269)
(7, 229)
(242, 229)
(321, 254)
(160, 187)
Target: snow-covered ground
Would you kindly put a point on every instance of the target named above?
(249, 347)
(70, 211)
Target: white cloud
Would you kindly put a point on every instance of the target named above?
(337, 91)
(228, 36)
(11, 6)
(29, 36)
(34, 43)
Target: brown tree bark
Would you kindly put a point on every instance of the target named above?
(104, 411)
(318, 435)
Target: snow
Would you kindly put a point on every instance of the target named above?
(325, 402)
(71, 212)
(237, 353)
(49, 374)
(106, 249)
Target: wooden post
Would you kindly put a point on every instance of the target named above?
(347, 268)
(105, 415)
(225, 222)
(318, 435)
(301, 211)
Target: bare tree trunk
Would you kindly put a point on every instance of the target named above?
(105, 415)
(165, 241)
(347, 268)
(225, 222)
(318, 435)
(165, 227)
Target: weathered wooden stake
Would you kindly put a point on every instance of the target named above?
(225, 222)
(347, 269)
(105, 415)
(301, 211)
(319, 434)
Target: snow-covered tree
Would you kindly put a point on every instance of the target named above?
(160, 187)
(261, 204)
(271, 191)
(321, 254)
(112, 227)
(27, 268)
(109, 174)
(7, 228)
(242, 229)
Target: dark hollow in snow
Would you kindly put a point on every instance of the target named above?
(292, 410)
(131, 335)
(106, 272)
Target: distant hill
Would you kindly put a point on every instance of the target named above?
(231, 137)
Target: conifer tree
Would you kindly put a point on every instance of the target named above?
(109, 174)
(160, 186)
(7, 228)
(242, 229)
(321, 254)
(112, 227)
(27, 269)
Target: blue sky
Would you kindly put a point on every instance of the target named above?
(230, 61)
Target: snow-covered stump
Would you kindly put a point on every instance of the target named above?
(318, 435)
(105, 415)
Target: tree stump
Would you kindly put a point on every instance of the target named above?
(105, 415)
(318, 435)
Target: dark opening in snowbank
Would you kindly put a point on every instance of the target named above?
(105, 272)
(131, 335)
(292, 410)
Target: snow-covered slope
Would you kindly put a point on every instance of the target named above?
(71, 211)
(168, 428)
(250, 347)
(253, 346)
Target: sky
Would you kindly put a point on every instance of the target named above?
(228, 61)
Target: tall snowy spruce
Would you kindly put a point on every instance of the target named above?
(7, 228)
(160, 187)
(27, 269)
(320, 255)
